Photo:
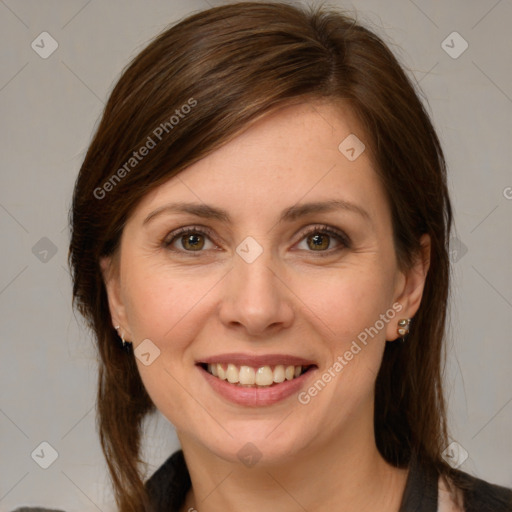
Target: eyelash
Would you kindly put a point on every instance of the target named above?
(318, 229)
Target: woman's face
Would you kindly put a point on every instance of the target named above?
(289, 262)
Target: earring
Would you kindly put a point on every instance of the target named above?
(403, 327)
(125, 345)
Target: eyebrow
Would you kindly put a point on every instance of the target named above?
(289, 214)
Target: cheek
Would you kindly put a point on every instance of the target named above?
(353, 311)
(348, 300)
(150, 307)
(167, 307)
(162, 303)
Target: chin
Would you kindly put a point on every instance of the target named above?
(254, 443)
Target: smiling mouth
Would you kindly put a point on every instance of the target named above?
(255, 377)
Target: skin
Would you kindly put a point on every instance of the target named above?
(290, 300)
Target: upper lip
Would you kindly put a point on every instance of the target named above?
(257, 361)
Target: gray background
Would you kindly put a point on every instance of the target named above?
(49, 108)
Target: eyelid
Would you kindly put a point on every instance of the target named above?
(186, 229)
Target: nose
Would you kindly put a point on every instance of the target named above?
(255, 298)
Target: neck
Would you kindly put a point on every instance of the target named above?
(346, 474)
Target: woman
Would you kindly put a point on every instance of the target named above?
(261, 223)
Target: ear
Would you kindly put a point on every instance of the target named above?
(409, 287)
(110, 272)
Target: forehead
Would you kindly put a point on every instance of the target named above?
(289, 156)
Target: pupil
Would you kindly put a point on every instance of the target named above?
(319, 241)
(193, 241)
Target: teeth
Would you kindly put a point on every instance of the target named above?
(249, 376)
(232, 374)
(221, 373)
(279, 375)
(264, 376)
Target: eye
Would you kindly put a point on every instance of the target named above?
(193, 240)
(320, 239)
(189, 239)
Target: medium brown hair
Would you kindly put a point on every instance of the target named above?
(237, 63)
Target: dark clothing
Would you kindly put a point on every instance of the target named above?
(36, 509)
(169, 485)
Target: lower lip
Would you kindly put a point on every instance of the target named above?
(256, 397)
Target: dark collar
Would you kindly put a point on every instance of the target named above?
(170, 483)
(421, 488)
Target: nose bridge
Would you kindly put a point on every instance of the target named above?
(255, 297)
(256, 277)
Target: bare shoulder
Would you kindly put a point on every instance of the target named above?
(448, 501)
